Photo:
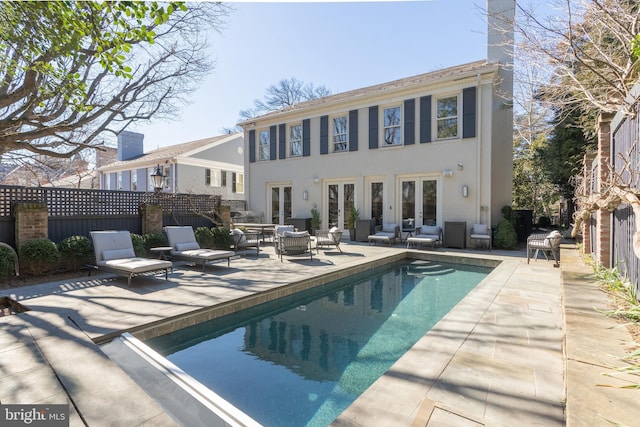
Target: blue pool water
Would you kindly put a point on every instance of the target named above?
(302, 362)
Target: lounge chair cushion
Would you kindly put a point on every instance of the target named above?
(135, 265)
(108, 255)
(204, 254)
(188, 246)
(479, 229)
(431, 230)
(296, 233)
(333, 229)
(389, 228)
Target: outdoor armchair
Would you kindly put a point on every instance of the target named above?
(547, 242)
(330, 237)
(245, 239)
(482, 233)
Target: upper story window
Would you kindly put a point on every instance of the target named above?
(295, 140)
(264, 146)
(239, 185)
(134, 180)
(120, 181)
(223, 178)
(340, 134)
(447, 117)
(207, 177)
(392, 126)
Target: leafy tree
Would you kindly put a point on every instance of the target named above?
(72, 71)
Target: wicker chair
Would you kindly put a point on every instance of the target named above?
(548, 242)
(247, 239)
(294, 244)
(328, 238)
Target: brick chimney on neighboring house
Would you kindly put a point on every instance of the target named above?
(130, 145)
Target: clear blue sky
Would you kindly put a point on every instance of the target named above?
(340, 45)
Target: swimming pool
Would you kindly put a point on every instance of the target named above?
(303, 359)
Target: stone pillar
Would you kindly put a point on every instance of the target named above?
(151, 218)
(32, 222)
(603, 216)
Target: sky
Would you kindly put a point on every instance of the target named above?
(340, 45)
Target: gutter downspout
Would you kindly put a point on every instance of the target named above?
(478, 154)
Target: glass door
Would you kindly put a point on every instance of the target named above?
(340, 199)
(280, 204)
(419, 202)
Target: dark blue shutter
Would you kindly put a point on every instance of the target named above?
(469, 112)
(353, 130)
(306, 137)
(252, 146)
(373, 127)
(409, 122)
(425, 119)
(273, 146)
(324, 135)
(282, 141)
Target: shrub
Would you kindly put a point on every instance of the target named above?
(204, 237)
(505, 236)
(75, 251)
(152, 240)
(507, 213)
(38, 256)
(138, 244)
(221, 238)
(7, 261)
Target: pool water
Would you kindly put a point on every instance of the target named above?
(301, 363)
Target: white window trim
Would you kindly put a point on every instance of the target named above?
(383, 128)
(290, 141)
(333, 134)
(457, 116)
(264, 155)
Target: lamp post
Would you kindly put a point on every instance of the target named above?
(157, 179)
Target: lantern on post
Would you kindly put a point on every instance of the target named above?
(157, 179)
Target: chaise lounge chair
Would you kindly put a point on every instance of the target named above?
(427, 234)
(390, 233)
(114, 253)
(184, 246)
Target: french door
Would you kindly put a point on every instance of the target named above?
(340, 198)
(419, 201)
(279, 203)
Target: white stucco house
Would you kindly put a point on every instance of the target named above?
(207, 166)
(430, 148)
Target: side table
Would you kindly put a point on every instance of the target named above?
(162, 251)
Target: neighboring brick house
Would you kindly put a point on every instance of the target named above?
(207, 166)
(430, 148)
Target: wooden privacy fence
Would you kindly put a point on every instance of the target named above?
(74, 211)
(624, 145)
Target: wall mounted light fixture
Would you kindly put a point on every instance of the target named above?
(465, 190)
(447, 172)
(316, 179)
(305, 195)
(460, 166)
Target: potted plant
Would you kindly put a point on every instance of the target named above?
(315, 219)
(354, 215)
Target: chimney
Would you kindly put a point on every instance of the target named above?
(130, 145)
(500, 26)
